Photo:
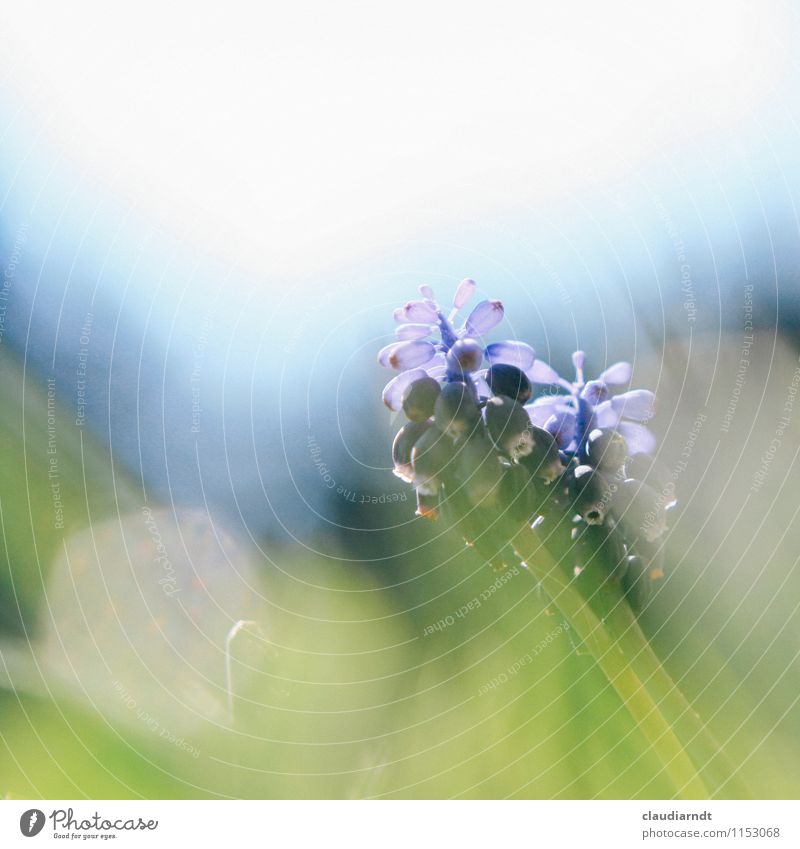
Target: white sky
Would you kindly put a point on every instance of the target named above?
(296, 136)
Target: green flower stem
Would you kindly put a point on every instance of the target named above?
(614, 654)
(706, 753)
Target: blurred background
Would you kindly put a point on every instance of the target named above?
(207, 217)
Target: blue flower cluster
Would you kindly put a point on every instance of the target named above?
(479, 446)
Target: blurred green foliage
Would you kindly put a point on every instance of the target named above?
(371, 683)
(55, 479)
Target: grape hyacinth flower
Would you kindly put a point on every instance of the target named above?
(548, 474)
(589, 405)
(457, 354)
(479, 448)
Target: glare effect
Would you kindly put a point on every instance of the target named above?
(271, 136)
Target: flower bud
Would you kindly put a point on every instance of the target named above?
(406, 355)
(591, 494)
(606, 449)
(427, 505)
(562, 424)
(509, 426)
(598, 546)
(484, 317)
(512, 353)
(404, 332)
(518, 495)
(544, 459)
(402, 445)
(431, 458)
(479, 470)
(419, 399)
(655, 474)
(635, 582)
(644, 570)
(418, 312)
(394, 389)
(652, 556)
(464, 357)
(508, 380)
(640, 511)
(466, 289)
(455, 411)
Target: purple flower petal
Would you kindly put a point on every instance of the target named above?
(466, 289)
(386, 352)
(419, 311)
(617, 374)
(436, 372)
(605, 415)
(542, 374)
(512, 354)
(595, 392)
(640, 440)
(413, 331)
(411, 354)
(484, 317)
(426, 292)
(638, 404)
(562, 425)
(540, 410)
(405, 355)
(394, 389)
(399, 314)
